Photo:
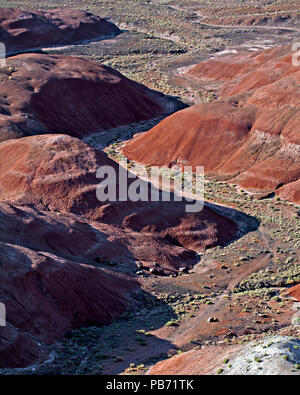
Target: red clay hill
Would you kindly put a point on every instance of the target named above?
(64, 94)
(58, 173)
(41, 282)
(249, 136)
(23, 30)
(56, 236)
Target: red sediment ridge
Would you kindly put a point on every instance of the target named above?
(249, 136)
(52, 228)
(65, 94)
(24, 30)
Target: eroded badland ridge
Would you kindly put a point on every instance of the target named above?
(138, 287)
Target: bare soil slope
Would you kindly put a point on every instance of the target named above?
(58, 173)
(249, 136)
(56, 236)
(64, 94)
(25, 30)
(295, 292)
(277, 355)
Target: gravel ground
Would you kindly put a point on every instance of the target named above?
(275, 355)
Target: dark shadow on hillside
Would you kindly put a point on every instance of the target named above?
(113, 348)
(246, 223)
(42, 47)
